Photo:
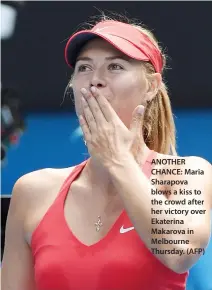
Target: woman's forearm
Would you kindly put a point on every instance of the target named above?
(136, 192)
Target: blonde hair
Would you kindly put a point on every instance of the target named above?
(159, 130)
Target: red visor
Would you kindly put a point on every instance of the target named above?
(122, 36)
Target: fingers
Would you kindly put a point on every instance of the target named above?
(137, 121)
(97, 110)
(93, 107)
(135, 125)
(137, 131)
(105, 106)
(85, 129)
(91, 123)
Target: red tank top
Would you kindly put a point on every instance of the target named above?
(119, 261)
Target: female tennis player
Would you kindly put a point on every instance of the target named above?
(131, 216)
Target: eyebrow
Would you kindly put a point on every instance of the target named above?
(85, 58)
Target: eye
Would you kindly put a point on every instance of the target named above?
(83, 68)
(115, 66)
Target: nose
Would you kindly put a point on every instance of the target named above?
(98, 80)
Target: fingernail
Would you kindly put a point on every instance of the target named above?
(93, 89)
(83, 91)
(140, 110)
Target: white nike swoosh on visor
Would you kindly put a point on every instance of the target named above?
(125, 230)
(100, 29)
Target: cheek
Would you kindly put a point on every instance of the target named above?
(128, 93)
(130, 88)
(77, 101)
(78, 107)
(77, 84)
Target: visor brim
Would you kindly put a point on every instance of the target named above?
(78, 40)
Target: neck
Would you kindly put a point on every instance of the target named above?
(98, 176)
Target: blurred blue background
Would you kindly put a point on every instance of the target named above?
(54, 140)
(33, 38)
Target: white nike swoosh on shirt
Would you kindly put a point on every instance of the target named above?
(125, 230)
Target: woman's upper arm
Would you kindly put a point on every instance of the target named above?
(17, 264)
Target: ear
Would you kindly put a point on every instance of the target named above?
(155, 82)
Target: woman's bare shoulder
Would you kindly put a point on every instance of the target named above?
(42, 179)
(37, 186)
(33, 194)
